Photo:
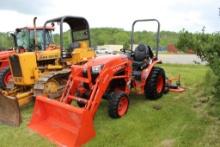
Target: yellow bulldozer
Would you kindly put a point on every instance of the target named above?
(45, 72)
(23, 39)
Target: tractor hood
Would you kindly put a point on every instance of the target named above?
(107, 60)
(111, 63)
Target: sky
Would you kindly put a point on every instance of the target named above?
(173, 15)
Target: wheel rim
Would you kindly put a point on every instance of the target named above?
(122, 106)
(7, 78)
(160, 84)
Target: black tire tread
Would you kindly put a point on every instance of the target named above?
(2, 75)
(113, 103)
(151, 84)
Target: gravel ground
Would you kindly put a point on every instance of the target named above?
(178, 58)
(181, 59)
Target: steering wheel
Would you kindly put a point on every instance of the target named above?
(127, 52)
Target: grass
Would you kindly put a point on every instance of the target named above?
(183, 119)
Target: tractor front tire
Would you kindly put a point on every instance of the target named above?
(155, 84)
(5, 75)
(118, 104)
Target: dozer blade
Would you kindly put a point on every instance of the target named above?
(63, 124)
(9, 111)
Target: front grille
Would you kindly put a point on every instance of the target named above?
(15, 65)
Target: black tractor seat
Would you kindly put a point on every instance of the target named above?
(142, 56)
(141, 59)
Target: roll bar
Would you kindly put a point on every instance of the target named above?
(157, 37)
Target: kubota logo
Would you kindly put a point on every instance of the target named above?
(118, 68)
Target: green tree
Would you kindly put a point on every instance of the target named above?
(126, 45)
(185, 41)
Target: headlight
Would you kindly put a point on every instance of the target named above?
(96, 69)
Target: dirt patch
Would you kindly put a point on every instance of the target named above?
(157, 107)
(167, 143)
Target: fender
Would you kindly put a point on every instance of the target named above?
(146, 72)
(4, 55)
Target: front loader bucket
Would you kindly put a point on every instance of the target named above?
(61, 123)
(9, 111)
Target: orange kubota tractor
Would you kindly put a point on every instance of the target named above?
(69, 121)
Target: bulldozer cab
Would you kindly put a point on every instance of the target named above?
(27, 40)
(24, 38)
(76, 36)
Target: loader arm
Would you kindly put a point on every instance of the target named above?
(98, 89)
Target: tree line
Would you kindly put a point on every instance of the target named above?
(6, 41)
(101, 36)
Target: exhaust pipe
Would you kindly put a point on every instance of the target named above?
(35, 34)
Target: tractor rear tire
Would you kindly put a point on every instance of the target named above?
(5, 74)
(155, 84)
(118, 104)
